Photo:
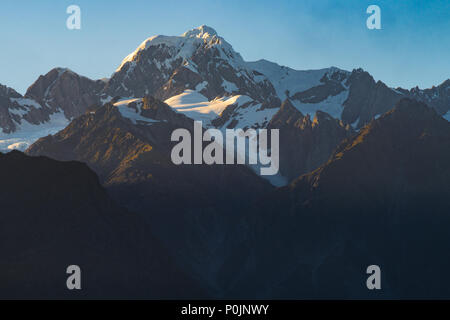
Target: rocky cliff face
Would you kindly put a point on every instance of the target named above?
(367, 99)
(16, 110)
(436, 97)
(306, 143)
(6, 121)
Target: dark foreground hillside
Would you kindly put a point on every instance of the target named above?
(55, 214)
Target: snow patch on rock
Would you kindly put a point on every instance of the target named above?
(333, 105)
(132, 109)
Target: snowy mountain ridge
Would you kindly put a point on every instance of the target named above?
(200, 75)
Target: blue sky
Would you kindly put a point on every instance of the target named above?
(413, 47)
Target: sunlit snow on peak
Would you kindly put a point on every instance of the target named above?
(131, 109)
(186, 44)
(200, 32)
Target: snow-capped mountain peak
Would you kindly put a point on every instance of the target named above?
(166, 66)
(183, 46)
(201, 32)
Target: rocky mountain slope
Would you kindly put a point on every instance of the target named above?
(386, 184)
(436, 97)
(305, 142)
(382, 199)
(195, 210)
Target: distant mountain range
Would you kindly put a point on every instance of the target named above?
(363, 179)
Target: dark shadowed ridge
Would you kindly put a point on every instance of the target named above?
(55, 214)
(382, 198)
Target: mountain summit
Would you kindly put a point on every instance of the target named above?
(190, 38)
(165, 66)
(201, 32)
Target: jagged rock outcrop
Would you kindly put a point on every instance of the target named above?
(63, 89)
(367, 98)
(48, 106)
(437, 97)
(306, 143)
(331, 85)
(15, 110)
